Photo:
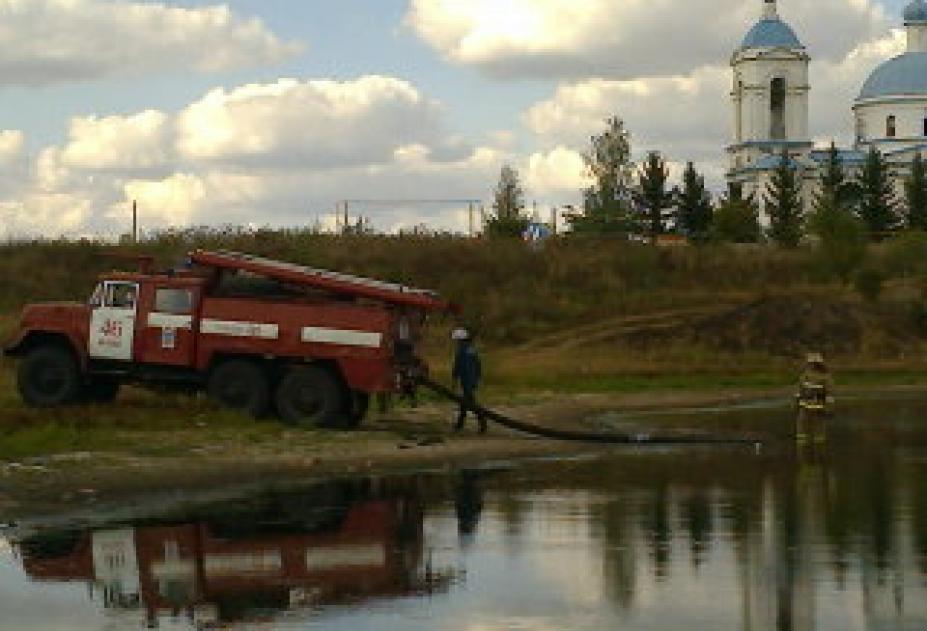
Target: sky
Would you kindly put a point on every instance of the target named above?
(270, 112)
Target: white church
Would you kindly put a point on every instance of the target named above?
(770, 102)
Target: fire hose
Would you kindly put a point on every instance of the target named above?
(609, 438)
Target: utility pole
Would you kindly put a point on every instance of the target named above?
(135, 222)
(553, 220)
(470, 218)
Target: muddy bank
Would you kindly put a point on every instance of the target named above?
(222, 466)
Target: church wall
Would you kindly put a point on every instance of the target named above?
(910, 116)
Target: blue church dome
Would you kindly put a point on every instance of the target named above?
(904, 75)
(916, 12)
(771, 33)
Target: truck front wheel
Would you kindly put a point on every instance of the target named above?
(310, 396)
(240, 385)
(49, 377)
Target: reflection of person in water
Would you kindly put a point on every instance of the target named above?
(468, 503)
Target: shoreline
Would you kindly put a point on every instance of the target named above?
(405, 441)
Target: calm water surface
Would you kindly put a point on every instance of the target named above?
(832, 539)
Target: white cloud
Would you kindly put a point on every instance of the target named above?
(11, 145)
(685, 118)
(54, 41)
(314, 124)
(140, 141)
(49, 214)
(171, 201)
(277, 154)
(556, 173)
(301, 197)
(623, 40)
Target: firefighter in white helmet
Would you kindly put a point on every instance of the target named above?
(468, 373)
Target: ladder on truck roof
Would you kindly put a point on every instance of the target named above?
(334, 282)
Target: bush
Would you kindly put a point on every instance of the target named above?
(869, 283)
(907, 255)
(918, 314)
(736, 221)
(843, 242)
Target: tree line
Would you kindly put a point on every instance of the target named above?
(631, 201)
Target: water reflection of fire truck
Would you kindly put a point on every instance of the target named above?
(245, 569)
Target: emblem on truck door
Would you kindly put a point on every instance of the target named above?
(111, 332)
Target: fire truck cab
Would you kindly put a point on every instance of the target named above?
(257, 335)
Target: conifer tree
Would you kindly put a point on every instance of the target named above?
(833, 193)
(508, 219)
(695, 208)
(915, 188)
(784, 205)
(652, 197)
(607, 204)
(877, 205)
(737, 220)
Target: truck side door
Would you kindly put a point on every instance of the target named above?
(168, 332)
(112, 322)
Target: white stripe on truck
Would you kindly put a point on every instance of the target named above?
(240, 329)
(342, 337)
(168, 321)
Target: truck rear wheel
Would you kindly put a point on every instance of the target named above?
(311, 396)
(49, 377)
(240, 385)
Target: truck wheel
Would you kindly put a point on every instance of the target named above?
(101, 390)
(240, 385)
(49, 377)
(311, 397)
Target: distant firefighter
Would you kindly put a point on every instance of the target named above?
(815, 399)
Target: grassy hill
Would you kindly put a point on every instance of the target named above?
(579, 311)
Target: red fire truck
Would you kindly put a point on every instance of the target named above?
(258, 335)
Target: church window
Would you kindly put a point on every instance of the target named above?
(860, 128)
(777, 109)
(891, 128)
(925, 126)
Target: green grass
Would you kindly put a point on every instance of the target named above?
(44, 439)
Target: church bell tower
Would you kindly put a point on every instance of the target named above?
(769, 93)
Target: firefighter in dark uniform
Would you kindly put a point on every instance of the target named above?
(468, 372)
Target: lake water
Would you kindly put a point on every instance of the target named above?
(833, 538)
